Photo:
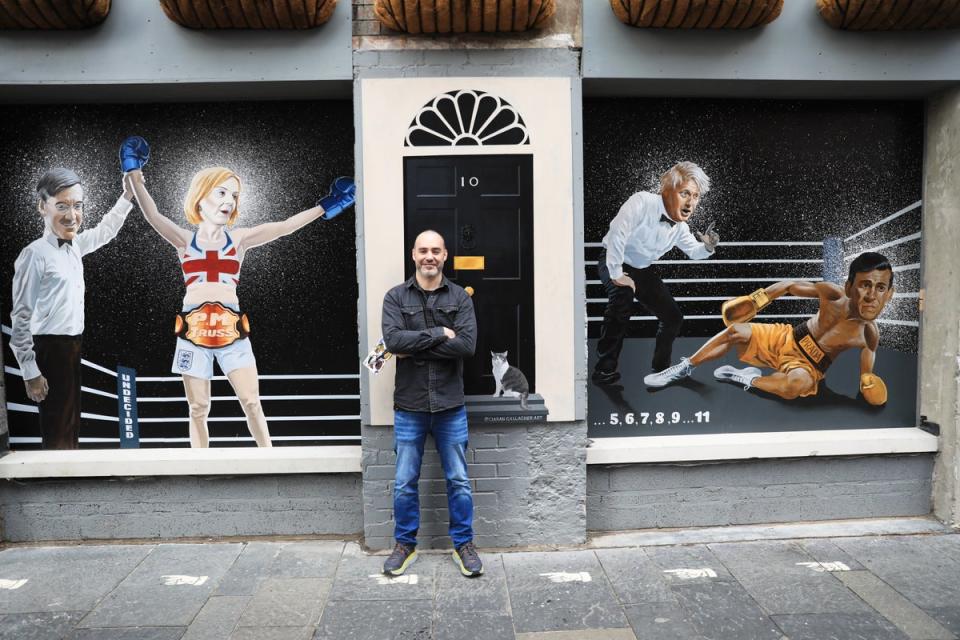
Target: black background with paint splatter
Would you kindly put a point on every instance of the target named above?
(299, 291)
(781, 171)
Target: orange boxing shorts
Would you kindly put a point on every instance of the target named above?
(774, 347)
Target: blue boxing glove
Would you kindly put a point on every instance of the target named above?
(134, 153)
(343, 193)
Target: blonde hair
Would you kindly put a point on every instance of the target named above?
(200, 187)
(683, 171)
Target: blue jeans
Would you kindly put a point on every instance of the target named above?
(449, 429)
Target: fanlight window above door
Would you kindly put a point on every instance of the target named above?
(466, 118)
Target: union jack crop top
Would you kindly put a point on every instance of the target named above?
(211, 265)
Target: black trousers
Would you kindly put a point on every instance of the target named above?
(654, 296)
(59, 360)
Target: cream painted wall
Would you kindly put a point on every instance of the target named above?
(388, 107)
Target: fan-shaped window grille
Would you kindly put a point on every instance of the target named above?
(466, 118)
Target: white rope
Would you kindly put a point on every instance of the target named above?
(904, 323)
(762, 243)
(706, 299)
(98, 367)
(711, 317)
(893, 216)
(698, 280)
(35, 440)
(709, 262)
(907, 267)
(311, 376)
(353, 396)
(269, 419)
(97, 392)
(725, 298)
(892, 243)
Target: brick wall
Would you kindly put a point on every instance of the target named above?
(529, 485)
(365, 23)
(179, 507)
(749, 492)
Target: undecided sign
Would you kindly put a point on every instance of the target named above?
(127, 408)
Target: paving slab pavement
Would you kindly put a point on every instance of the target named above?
(869, 586)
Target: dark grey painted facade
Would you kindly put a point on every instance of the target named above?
(180, 507)
(729, 493)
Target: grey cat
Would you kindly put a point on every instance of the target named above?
(509, 379)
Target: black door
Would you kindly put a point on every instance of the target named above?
(483, 207)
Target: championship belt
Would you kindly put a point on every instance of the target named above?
(212, 326)
(810, 349)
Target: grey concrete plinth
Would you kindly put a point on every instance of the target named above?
(528, 481)
(647, 496)
(180, 507)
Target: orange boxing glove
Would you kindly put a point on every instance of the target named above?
(744, 308)
(873, 389)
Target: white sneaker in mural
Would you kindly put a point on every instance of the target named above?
(679, 371)
(744, 376)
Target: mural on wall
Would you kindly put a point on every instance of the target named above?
(222, 184)
(751, 265)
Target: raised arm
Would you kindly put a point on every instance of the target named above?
(803, 289)
(270, 231)
(109, 226)
(698, 248)
(342, 195)
(744, 308)
(169, 231)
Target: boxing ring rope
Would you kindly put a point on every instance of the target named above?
(32, 408)
(890, 218)
(911, 237)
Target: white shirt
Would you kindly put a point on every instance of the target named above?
(638, 236)
(48, 286)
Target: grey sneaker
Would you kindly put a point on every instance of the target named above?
(402, 557)
(468, 560)
(679, 371)
(744, 376)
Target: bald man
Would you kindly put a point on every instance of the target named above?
(430, 325)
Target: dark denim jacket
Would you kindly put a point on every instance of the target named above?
(431, 377)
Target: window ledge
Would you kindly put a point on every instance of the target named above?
(179, 462)
(744, 446)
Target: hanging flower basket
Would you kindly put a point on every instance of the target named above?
(697, 14)
(52, 14)
(890, 15)
(249, 14)
(464, 16)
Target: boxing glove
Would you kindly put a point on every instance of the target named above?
(744, 308)
(343, 193)
(873, 388)
(134, 153)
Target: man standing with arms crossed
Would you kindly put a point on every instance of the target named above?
(430, 325)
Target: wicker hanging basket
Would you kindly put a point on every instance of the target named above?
(249, 14)
(890, 15)
(52, 14)
(697, 14)
(464, 16)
